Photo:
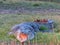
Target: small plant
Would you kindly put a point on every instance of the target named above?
(35, 4)
(4, 0)
(57, 30)
(43, 28)
(1, 2)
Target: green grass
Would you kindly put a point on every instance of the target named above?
(30, 5)
(8, 20)
(14, 1)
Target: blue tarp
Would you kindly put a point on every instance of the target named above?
(31, 28)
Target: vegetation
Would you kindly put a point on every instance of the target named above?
(30, 5)
(14, 1)
(43, 28)
(35, 4)
(8, 20)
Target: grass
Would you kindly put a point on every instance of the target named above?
(30, 5)
(14, 1)
(8, 20)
